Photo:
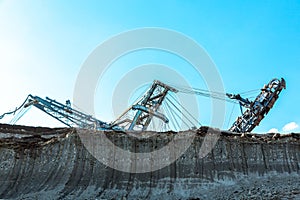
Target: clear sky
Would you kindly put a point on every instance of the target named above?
(44, 43)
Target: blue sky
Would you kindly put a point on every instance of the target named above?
(44, 43)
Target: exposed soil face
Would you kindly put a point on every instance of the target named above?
(44, 163)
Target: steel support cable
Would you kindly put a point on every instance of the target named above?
(211, 96)
(141, 97)
(184, 116)
(180, 113)
(152, 124)
(165, 127)
(18, 116)
(161, 123)
(156, 125)
(212, 92)
(206, 93)
(193, 117)
(173, 116)
(137, 101)
(250, 92)
(18, 108)
(231, 113)
(185, 88)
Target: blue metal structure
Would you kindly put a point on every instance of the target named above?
(144, 111)
(65, 113)
(146, 108)
(140, 115)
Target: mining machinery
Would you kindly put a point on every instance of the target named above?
(256, 110)
(140, 114)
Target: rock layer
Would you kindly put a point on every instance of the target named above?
(46, 163)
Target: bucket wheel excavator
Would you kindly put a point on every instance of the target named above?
(140, 115)
(256, 110)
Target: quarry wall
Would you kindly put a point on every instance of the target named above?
(48, 163)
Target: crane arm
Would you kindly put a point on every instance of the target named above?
(65, 113)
